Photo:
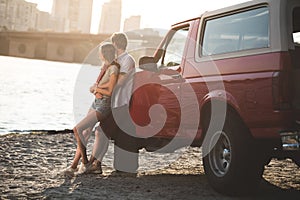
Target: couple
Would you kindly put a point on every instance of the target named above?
(113, 71)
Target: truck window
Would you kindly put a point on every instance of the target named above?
(241, 31)
(174, 48)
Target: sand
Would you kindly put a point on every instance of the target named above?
(30, 167)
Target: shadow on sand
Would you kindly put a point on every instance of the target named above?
(158, 186)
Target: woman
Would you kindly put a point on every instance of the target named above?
(100, 108)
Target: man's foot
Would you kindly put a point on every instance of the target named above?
(96, 168)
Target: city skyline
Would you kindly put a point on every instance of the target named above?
(151, 12)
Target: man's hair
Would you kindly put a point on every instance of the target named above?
(120, 40)
(108, 51)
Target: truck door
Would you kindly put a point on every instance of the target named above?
(170, 61)
(158, 108)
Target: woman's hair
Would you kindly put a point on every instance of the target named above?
(108, 51)
(120, 40)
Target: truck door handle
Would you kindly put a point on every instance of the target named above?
(176, 76)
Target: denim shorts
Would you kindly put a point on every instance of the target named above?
(103, 106)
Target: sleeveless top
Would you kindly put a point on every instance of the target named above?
(106, 72)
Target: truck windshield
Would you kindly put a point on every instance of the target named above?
(175, 47)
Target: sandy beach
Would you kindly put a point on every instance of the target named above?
(30, 166)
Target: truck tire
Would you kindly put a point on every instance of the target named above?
(233, 166)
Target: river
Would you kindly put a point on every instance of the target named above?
(38, 94)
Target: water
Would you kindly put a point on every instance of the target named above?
(37, 94)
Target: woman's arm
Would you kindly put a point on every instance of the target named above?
(92, 88)
(110, 86)
(104, 85)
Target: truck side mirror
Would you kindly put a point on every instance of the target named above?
(148, 63)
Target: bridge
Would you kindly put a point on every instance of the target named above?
(64, 47)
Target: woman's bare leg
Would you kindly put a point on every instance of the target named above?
(86, 134)
(89, 121)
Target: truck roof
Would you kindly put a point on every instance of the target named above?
(192, 19)
(227, 9)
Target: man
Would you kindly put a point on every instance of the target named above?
(124, 159)
(119, 40)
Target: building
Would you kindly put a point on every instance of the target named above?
(110, 21)
(59, 14)
(132, 23)
(72, 15)
(18, 15)
(43, 21)
(85, 15)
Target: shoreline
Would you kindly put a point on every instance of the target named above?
(35, 132)
(31, 164)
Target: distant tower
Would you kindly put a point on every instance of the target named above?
(85, 15)
(60, 10)
(132, 23)
(72, 15)
(111, 17)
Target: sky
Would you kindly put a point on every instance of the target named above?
(154, 13)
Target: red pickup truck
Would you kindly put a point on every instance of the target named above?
(226, 81)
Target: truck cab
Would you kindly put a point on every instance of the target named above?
(226, 81)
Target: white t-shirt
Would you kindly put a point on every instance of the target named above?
(122, 93)
(126, 62)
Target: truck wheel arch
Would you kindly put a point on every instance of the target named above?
(218, 96)
(205, 109)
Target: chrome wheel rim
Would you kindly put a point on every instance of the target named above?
(220, 155)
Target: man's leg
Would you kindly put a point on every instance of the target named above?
(125, 145)
(100, 146)
(125, 159)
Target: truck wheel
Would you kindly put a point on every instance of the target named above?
(232, 166)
